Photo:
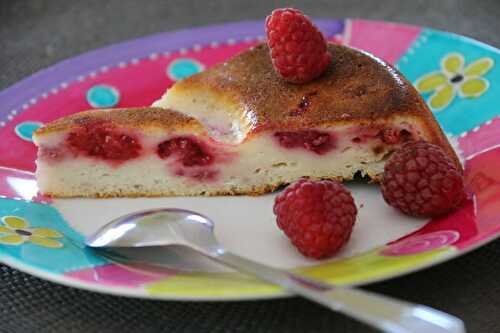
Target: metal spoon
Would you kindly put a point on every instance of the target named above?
(165, 227)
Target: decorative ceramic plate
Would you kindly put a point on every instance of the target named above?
(459, 77)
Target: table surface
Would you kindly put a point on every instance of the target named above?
(36, 34)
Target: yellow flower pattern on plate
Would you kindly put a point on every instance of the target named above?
(454, 79)
(16, 231)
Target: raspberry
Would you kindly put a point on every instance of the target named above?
(298, 49)
(317, 216)
(103, 140)
(189, 151)
(389, 135)
(421, 180)
(393, 136)
(312, 140)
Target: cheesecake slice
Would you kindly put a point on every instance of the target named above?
(238, 128)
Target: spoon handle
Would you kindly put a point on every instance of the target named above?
(382, 312)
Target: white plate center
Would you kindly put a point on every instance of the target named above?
(246, 225)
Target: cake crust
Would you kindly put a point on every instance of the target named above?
(147, 118)
(254, 191)
(355, 85)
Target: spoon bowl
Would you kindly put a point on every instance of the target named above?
(157, 227)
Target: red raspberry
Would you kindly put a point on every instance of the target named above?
(103, 140)
(298, 49)
(190, 151)
(421, 180)
(389, 135)
(317, 216)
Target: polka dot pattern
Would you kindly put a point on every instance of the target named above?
(26, 129)
(103, 96)
(183, 67)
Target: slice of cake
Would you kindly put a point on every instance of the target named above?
(239, 128)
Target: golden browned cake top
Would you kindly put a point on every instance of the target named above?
(356, 85)
(142, 118)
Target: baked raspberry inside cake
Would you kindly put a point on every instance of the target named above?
(239, 128)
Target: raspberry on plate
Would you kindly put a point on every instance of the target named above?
(421, 180)
(298, 48)
(317, 216)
